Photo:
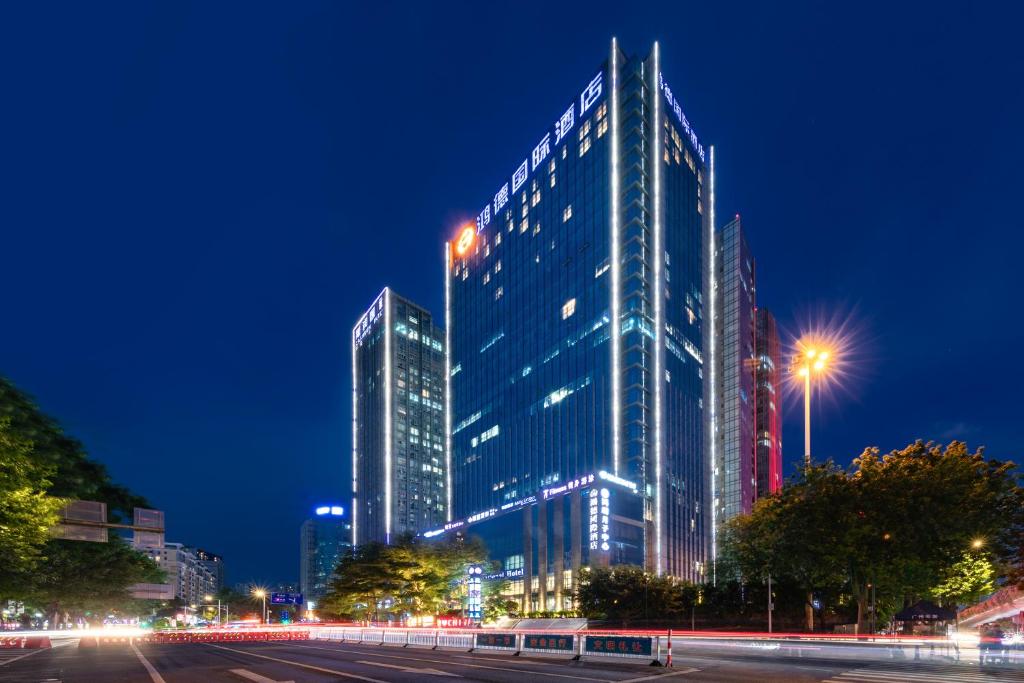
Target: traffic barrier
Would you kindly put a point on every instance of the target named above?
(25, 642)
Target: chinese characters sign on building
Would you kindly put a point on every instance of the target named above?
(577, 110)
(474, 583)
(600, 516)
(371, 316)
(673, 104)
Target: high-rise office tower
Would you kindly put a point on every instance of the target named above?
(575, 311)
(768, 404)
(323, 540)
(398, 461)
(214, 564)
(735, 458)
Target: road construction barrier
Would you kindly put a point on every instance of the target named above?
(24, 642)
(652, 648)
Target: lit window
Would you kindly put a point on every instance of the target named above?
(585, 146)
(602, 127)
(497, 239)
(536, 229)
(487, 277)
(568, 308)
(498, 293)
(536, 198)
(497, 266)
(553, 177)
(567, 213)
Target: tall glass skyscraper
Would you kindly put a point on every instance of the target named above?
(398, 462)
(768, 420)
(575, 313)
(735, 458)
(323, 539)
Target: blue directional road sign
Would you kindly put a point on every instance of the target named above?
(286, 598)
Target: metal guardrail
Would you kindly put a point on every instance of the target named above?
(652, 648)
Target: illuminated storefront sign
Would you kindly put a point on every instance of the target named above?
(673, 104)
(577, 110)
(568, 486)
(465, 240)
(550, 493)
(608, 476)
(371, 316)
(474, 577)
(600, 516)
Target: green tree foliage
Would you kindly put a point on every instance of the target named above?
(82, 577)
(628, 594)
(412, 576)
(27, 513)
(495, 604)
(967, 581)
(897, 522)
(74, 474)
(69, 576)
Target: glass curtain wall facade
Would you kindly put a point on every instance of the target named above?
(604, 220)
(736, 460)
(398, 408)
(769, 404)
(323, 540)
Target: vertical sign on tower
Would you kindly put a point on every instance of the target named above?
(474, 584)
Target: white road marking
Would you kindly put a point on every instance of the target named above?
(153, 673)
(532, 672)
(409, 669)
(675, 672)
(17, 657)
(299, 664)
(257, 678)
(911, 673)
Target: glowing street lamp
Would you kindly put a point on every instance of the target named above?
(262, 595)
(810, 361)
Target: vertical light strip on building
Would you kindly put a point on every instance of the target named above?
(659, 322)
(711, 363)
(448, 378)
(615, 323)
(355, 440)
(387, 414)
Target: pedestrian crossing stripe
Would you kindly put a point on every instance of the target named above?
(917, 673)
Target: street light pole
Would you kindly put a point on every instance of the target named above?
(808, 361)
(807, 420)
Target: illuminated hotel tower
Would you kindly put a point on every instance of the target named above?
(576, 305)
(398, 463)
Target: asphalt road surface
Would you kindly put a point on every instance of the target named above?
(318, 661)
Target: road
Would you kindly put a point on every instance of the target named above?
(318, 661)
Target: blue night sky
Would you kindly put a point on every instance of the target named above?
(199, 199)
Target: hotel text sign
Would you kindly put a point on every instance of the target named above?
(371, 316)
(673, 104)
(577, 110)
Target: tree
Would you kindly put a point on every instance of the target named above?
(627, 594)
(27, 513)
(495, 604)
(851, 532)
(79, 576)
(799, 534)
(70, 576)
(967, 581)
(412, 576)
